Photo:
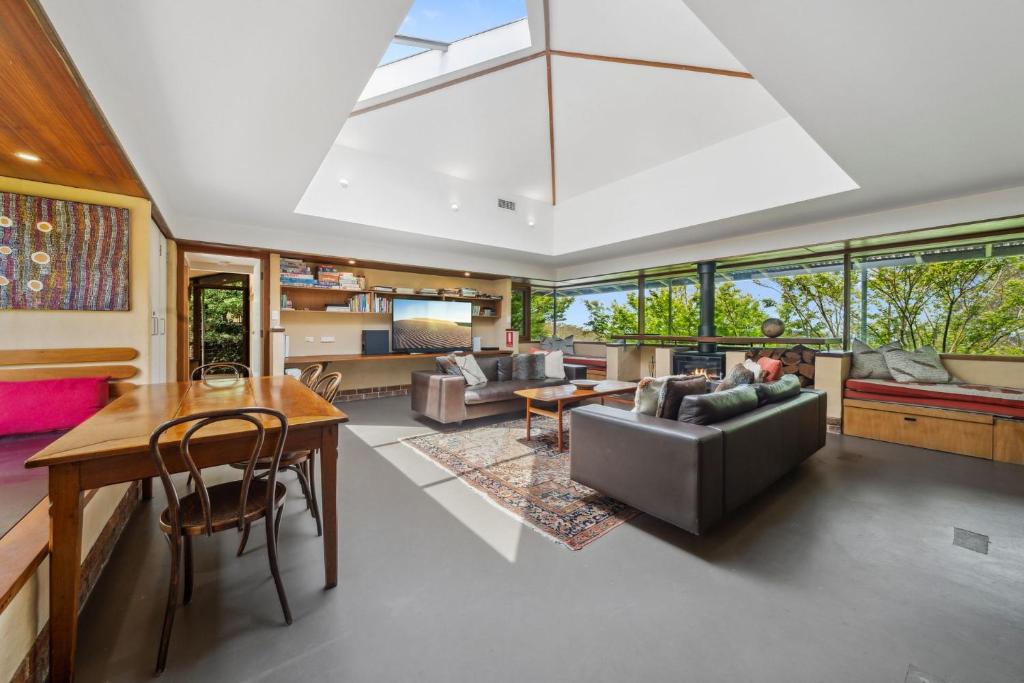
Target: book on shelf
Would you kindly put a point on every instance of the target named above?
(404, 290)
(428, 291)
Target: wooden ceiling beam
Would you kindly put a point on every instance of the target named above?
(652, 64)
(551, 103)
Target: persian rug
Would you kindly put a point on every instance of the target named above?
(529, 479)
(62, 255)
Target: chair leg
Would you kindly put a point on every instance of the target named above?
(272, 557)
(300, 472)
(245, 539)
(277, 521)
(189, 570)
(315, 503)
(172, 603)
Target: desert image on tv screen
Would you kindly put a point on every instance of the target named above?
(430, 325)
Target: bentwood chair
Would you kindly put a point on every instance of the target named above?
(302, 463)
(236, 370)
(310, 374)
(208, 510)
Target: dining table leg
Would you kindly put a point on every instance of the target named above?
(329, 482)
(66, 504)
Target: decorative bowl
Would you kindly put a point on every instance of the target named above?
(772, 327)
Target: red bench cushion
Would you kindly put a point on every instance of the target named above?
(49, 404)
(979, 398)
(589, 361)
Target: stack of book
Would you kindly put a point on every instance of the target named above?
(383, 288)
(296, 272)
(428, 291)
(404, 290)
(468, 292)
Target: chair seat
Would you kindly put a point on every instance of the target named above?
(224, 499)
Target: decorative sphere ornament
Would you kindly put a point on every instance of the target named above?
(772, 327)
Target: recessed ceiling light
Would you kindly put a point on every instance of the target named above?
(455, 207)
(351, 261)
(27, 156)
(467, 274)
(531, 222)
(343, 182)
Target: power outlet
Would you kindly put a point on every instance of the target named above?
(326, 340)
(311, 339)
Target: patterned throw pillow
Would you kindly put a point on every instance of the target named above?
(756, 369)
(923, 365)
(566, 346)
(504, 368)
(528, 366)
(446, 366)
(869, 363)
(738, 376)
(470, 370)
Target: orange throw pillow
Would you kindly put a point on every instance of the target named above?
(772, 369)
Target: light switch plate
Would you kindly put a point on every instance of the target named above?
(311, 339)
(326, 340)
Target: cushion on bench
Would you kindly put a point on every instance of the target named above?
(589, 361)
(979, 398)
(50, 404)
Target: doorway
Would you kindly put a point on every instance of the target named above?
(218, 321)
(221, 316)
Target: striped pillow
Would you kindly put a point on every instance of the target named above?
(923, 365)
(869, 363)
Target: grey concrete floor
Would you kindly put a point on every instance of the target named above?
(844, 571)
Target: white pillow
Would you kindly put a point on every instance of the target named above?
(554, 365)
(754, 368)
(470, 370)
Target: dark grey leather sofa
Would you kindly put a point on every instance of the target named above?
(693, 475)
(447, 398)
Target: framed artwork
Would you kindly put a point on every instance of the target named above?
(58, 255)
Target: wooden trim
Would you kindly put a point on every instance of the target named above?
(448, 84)
(22, 550)
(59, 372)
(181, 339)
(52, 356)
(1000, 359)
(1008, 441)
(551, 132)
(340, 358)
(907, 409)
(653, 64)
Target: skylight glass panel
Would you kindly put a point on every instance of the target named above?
(448, 21)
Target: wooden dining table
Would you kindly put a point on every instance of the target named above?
(112, 447)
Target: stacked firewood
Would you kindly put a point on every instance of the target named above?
(797, 360)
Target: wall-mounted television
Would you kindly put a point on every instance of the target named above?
(427, 326)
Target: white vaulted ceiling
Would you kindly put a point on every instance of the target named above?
(242, 118)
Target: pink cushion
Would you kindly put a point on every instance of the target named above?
(772, 369)
(49, 404)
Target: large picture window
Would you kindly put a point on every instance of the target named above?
(959, 299)
(597, 312)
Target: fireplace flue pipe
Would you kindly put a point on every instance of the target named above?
(706, 273)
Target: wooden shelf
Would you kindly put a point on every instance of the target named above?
(331, 290)
(314, 310)
(296, 360)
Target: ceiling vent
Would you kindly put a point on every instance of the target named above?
(506, 204)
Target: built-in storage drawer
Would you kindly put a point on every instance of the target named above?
(941, 430)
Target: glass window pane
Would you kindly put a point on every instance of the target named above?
(598, 312)
(518, 319)
(542, 313)
(965, 299)
(671, 306)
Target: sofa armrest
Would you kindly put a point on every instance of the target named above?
(672, 470)
(439, 397)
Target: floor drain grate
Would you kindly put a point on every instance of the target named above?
(915, 675)
(970, 540)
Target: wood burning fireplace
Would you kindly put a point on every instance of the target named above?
(696, 363)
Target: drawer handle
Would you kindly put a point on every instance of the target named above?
(910, 419)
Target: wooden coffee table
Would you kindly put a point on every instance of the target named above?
(565, 394)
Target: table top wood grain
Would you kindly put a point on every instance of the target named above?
(125, 424)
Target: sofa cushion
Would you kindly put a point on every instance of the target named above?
(739, 375)
(504, 391)
(504, 368)
(51, 404)
(554, 366)
(923, 365)
(489, 366)
(528, 366)
(772, 368)
(470, 370)
(779, 390)
(647, 400)
(755, 369)
(675, 390)
(446, 366)
(869, 363)
(708, 409)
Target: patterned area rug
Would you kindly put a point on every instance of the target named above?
(529, 479)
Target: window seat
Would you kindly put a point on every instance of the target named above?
(978, 420)
(22, 488)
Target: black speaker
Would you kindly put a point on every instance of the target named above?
(376, 342)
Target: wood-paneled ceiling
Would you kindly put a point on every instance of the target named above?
(48, 112)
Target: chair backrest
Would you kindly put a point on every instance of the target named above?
(235, 370)
(310, 374)
(327, 386)
(198, 422)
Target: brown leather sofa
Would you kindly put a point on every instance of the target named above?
(447, 398)
(693, 475)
